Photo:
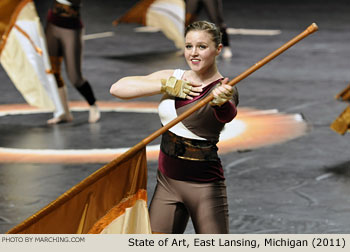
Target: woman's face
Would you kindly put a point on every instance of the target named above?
(200, 50)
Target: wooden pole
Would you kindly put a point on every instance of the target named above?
(108, 167)
(311, 29)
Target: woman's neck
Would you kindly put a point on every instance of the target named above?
(205, 77)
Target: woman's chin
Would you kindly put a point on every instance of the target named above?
(195, 67)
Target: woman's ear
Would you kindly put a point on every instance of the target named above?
(219, 48)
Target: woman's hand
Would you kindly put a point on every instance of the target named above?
(180, 88)
(222, 93)
(196, 90)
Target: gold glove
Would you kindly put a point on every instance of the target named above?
(222, 98)
(175, 87)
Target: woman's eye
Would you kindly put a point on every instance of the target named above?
(202, 47)
(188, 46)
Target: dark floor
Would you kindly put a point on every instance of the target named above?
(299, 186)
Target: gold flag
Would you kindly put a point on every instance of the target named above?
(7, 10)
(23, 55)
(344, 95)
(165, 15)
(111, 200)
(342, 123)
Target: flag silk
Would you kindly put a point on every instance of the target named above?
(7, 9)
(342, 123)
(114, 199)
(344, 95)
(165, 15)
(23, 55)
(111, 200)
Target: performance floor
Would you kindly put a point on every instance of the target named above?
(289, 174)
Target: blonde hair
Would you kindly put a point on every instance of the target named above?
(207, 27)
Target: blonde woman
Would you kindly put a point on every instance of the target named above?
(190, 180)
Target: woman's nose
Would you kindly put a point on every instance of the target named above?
(194, 51)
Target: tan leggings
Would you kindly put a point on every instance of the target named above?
(65, 44)
(174, 201)
(214, 11)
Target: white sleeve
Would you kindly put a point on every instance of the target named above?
(178, 73)
(65, 2)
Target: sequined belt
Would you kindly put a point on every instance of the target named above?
(190, 149)
(63, 10)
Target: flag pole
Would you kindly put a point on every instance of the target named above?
(120, 159)
(311, 29)
(105, 169)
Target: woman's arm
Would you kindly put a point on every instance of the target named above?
(225, 106)
(139, 86)
(226, 112)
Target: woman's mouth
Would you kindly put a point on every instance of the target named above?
(195, 61)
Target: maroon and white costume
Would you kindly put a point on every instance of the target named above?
(190, 180)
(64, 31)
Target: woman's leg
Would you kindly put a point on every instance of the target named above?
(207, 204)
(192, 10)
(72, 49)
(55, 53)
(167, 213)
(215, 12)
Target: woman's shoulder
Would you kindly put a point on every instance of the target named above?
(163, 74)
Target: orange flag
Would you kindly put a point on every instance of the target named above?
(7, 10)
(114, 198)
(111, 200)
(24, 56)
(341, 124)
(165, 15)
(344, 95)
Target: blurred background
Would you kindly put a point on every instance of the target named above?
(297, 186)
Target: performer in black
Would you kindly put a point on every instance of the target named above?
(214, 9)
(64, 32)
